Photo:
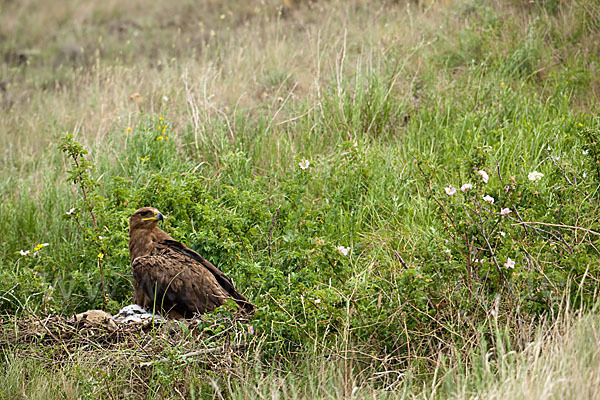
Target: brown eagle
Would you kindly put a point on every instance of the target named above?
(175, 279)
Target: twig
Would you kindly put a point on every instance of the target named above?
(299, 116)
(498, 171)
(108, 389)
(436, 200)
(557, 226)
(487, 242)
(564, 173)
(271, 234)
(8, 291)
(210, 350)
(281, 106)
(104, 298)
(243, 244)
(400, 259)
(83, 191)
(559, 239)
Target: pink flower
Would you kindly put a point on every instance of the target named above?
(505, 211)
(343, 250)
(304, 164)
(535, 176)
(484, 176)
(488, 198)
(450, 190)
(466, 187)
(509, 263)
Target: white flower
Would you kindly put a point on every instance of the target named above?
(24, 252)
(317, 301)
(450, 190)
(505, 211)
(585, 152)
(71, 211)
(466, 187)
(535, 176)
(488, 198)
(584, 175)
(509, 263)
(502, 234)
(484, 176)
(251, 329)
(165, 99)
(343, 250)
(304, 164)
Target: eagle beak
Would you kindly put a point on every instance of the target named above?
(157, 217)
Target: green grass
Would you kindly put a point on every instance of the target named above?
(391, 103)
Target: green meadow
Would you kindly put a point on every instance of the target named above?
(408, 191)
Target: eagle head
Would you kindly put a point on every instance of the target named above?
(145, 218)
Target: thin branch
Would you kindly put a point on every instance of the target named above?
(579, 228)
(400, 259)
(271, 234)
(82, 186)
(562, 170)
(487, 242)
(210, 350)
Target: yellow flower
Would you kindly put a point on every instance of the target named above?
(160, 126)
(502, 84)
(164, 129)
(40, 246)
(580, 124)
(128, 130)
(160, 118)
(100, 256)
(167, 138)
(159, 138)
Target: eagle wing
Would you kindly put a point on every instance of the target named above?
(181, 280)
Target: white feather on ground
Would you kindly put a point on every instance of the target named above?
(135, 314)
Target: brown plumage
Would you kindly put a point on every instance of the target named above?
(173, 278)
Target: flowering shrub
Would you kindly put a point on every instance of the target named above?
(511, 238)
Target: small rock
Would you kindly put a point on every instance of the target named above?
(96, 318)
